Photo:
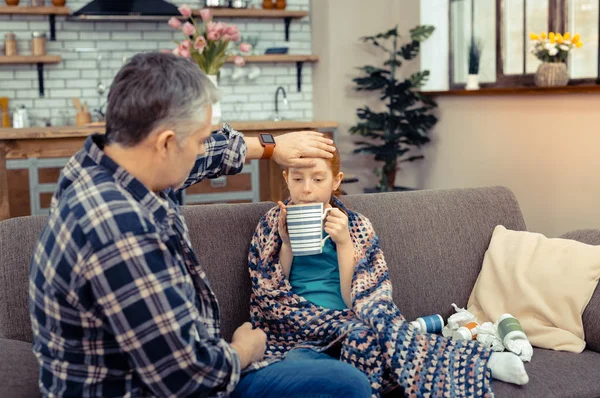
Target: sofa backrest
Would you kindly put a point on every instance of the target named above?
(434, 242)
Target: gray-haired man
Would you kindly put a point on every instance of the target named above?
(119, 304)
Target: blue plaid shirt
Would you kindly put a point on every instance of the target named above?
(119, 305)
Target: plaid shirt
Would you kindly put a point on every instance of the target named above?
(119, 304)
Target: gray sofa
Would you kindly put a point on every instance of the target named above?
(434, 243)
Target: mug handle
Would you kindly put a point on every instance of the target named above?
(323, 218)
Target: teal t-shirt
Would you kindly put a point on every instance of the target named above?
(317, 278)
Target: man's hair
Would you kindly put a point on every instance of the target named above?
(156, 90)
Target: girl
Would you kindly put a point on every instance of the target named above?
(339, 303)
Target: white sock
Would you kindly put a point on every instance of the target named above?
(508, 367)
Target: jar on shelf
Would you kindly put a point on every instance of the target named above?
(280, 4)
(38, 43)
(10, 44)
(268, 4)
(37, 3)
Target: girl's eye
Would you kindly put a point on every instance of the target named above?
(318, 179)
(297, 179)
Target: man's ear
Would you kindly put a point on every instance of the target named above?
(163, 141)
(337, 180)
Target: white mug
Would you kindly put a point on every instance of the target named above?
(305, 228)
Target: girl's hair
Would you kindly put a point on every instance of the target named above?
(336, 164)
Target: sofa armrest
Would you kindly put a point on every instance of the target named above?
(591, 315)
(19, 370)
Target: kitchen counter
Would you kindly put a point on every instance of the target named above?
(83, 131)
(35, 156)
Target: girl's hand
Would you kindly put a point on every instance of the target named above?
(336, 225)
(283, 231)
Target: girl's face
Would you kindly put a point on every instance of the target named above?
(312, 184)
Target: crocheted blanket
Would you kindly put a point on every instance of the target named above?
(373, 334)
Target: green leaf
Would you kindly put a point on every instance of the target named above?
(394, 62)
(421, 32)
(410, 50)
(417, 80)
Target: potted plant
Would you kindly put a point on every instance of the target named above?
(553, 50)
(208, 44)
(475, 48)
(408, 116)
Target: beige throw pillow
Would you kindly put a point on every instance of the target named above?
(545, 283)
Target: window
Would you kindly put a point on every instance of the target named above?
(503, 27)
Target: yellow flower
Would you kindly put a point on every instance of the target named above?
(533, 36)
(567, 36)
(552, 37)
(543, 35)
(579, 44)
(575, 39)
(559, 38)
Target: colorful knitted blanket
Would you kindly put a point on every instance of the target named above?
(373, 335)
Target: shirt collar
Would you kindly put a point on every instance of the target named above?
(94, 146)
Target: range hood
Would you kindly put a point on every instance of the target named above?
(126, 10)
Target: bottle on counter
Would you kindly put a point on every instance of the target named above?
(21, 118)
(38, 43)
(4, 109)
(10, 44)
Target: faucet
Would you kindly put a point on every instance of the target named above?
(285, 102)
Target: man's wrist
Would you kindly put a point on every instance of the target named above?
(242, 354)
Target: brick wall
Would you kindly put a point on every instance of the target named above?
(78, 74)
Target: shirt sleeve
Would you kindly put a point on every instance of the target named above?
(225, 154)
(144, 296)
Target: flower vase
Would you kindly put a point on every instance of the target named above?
(216, 108)
(472, 82)
(552, 74)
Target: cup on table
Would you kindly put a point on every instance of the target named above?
(305, 228)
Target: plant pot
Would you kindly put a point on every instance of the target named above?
(58, 3)
(472, 82)
(552, 74)
(12, 2)
(216, 108)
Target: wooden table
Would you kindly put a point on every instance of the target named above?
(59, 142)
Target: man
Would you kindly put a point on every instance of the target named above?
(119, 304)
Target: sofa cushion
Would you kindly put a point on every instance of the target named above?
(19, 370)
(18, 237)
(434, 241)
(545, 283)
(554, 374)
(591, 315)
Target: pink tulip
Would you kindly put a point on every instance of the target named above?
(185, 45)
(245, 47)
(239, 61)
(206, 15)
(221, 27)
(177, 51)
(175, 23)
(200, 44)
(236, 37)
(211, 27)
(188, 29)
(226, 37)
(232, 30)
(186, 53)
(185, 11)
(214, 36)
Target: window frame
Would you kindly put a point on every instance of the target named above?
(557, 22)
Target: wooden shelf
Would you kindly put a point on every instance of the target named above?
(30, 59)
(253, 13)
(269, 58)
(287, 16)
(19, 10)
(501, 91)
(51, 12)
(35, 60)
